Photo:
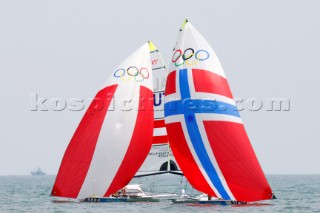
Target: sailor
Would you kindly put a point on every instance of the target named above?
(209, 197)
(123, 191)
(117, 194)
(183, 193)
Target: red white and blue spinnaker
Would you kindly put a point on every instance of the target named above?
(206, 133)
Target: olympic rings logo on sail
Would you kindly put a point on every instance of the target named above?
(132, 72)
(200, 55)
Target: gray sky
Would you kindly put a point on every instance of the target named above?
(67, 49)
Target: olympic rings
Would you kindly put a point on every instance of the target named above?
(146, 75)
(201, 59)
(176, 59)
(186, 58)
(191, 64)
(116, 75)
(175, 63)
(137, 71)
(132, 72)
(199, 56)
(127, 78)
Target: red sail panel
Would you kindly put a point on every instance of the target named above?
(185, 160)
(78, 156)
(237, 160)
(159, 132)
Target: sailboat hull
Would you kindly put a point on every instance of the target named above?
(121, 199)
(209, 202)
(104, 199)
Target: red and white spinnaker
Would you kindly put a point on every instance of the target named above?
(115, 134)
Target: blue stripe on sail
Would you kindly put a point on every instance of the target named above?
(202, 154)
(183, 80)
(178, 107)
(200, 106)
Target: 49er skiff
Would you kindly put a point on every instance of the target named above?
(114, 136)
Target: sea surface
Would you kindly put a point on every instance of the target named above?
(295, 193)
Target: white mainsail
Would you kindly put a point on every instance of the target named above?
(160, 159)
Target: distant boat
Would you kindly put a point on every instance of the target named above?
(38, 172)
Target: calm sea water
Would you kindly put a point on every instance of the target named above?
(295, 193)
